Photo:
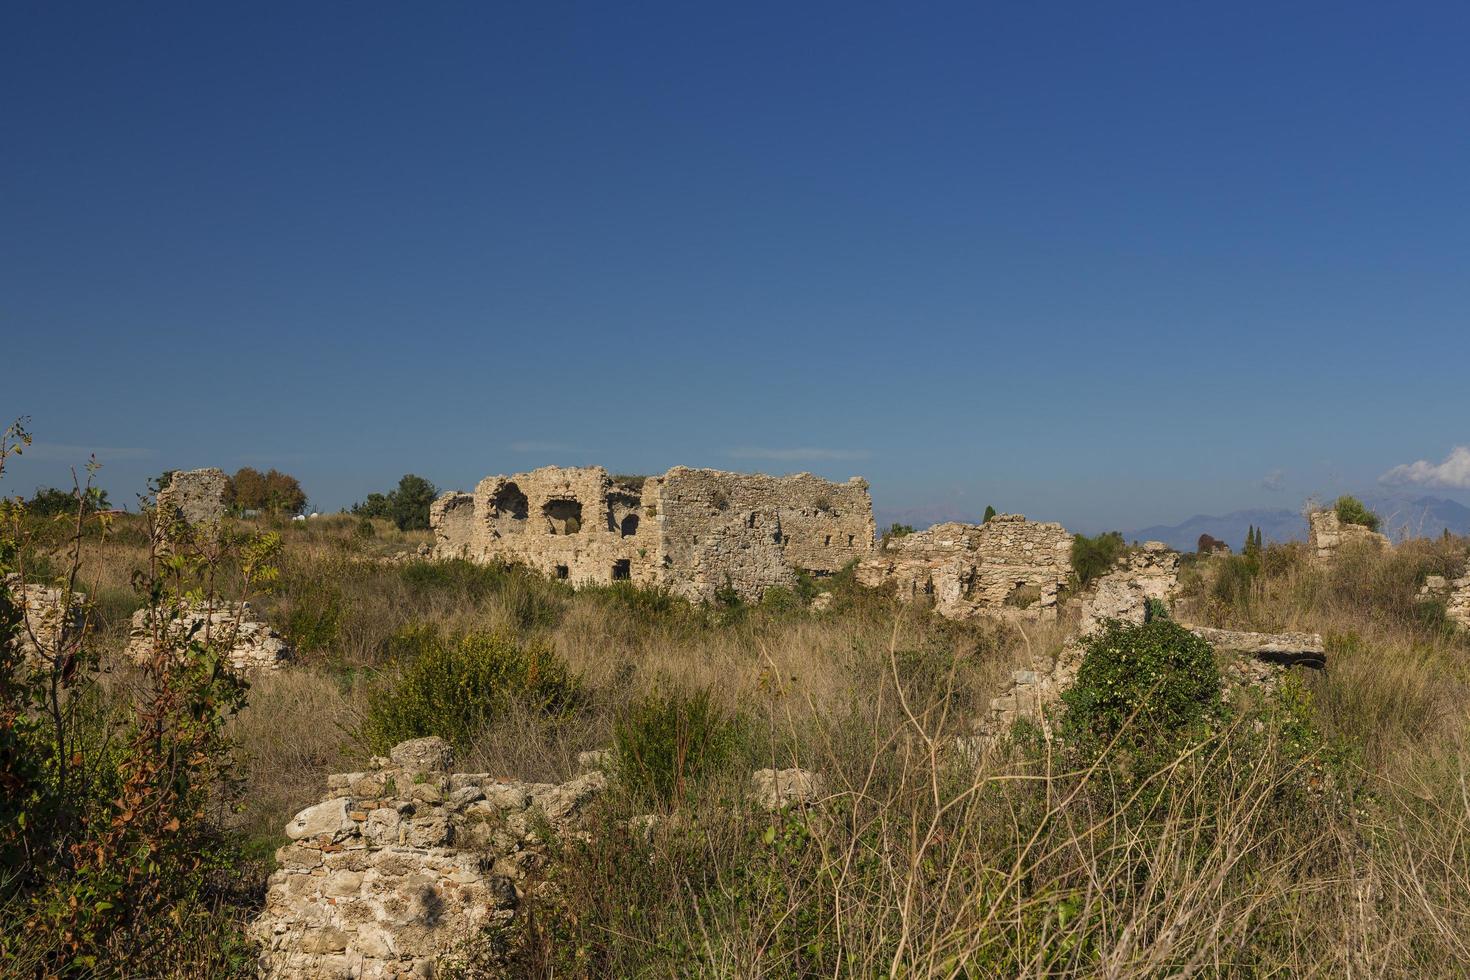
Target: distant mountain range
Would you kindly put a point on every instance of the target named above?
(1404, 515)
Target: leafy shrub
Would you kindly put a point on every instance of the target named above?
(666, 743)
(453, 687)
(1350, 510)
(1092, 557)
(989, 513)
(52, 502)
(1148, 685)
(407, 506)
(897, 530)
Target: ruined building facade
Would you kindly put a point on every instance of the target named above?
(692, 531)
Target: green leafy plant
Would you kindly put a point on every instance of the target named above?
(667, 742)
(454, 686)
(1351, 510)
(989, 513)
(1146, 686)
(1092, 557)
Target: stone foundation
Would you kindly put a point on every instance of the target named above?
(1454, 593)
(1149, 573)
(196, 497)
(404, 864)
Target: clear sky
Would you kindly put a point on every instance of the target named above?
(1112, 264)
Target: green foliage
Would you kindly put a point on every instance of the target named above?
(272, 492)
(407, 506)
(989, 513)
(1350, 510)
(1234, 578)
(108, 851)
(454, 687)
(52, 502)
(896, 530)
(314, 614)
(1148, 686)
(667, 742)
(1254, 543)
(1092, 557)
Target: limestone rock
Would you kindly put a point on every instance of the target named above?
(775, 789)
(387, 887)
(250, 644)
(197, 497)
(47, 616)
(423, 755)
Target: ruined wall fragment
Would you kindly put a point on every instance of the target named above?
(1007, 566)
(1327, 536)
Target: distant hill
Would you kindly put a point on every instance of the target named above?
(1404, 515)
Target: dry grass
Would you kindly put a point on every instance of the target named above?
(1248, 857)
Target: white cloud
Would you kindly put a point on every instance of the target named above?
(55, 452)
(1452, 474)
(790, 455)
(1274, 480)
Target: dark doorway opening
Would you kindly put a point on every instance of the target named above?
(622, 569)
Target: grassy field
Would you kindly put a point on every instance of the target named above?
(1322, 831)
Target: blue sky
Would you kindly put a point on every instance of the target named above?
(1108, 264)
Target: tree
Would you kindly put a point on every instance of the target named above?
(272, 491)
(989, 513)
(407, 506)
(53, 501)
(1209, 544)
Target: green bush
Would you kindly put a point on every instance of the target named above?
(1350, 510)
(1092, 557)
(407, 506)
(453, 687)
(1148, 686)
(667, 743)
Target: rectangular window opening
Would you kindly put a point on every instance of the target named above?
(563, 572)
(622, 569)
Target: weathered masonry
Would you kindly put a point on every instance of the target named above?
(693, 531)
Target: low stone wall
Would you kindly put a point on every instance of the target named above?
(1454, 593)
(1327, 535)
(252, 644)
(403, 864)
(46, 616)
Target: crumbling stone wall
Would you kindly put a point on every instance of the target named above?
(1007, 566)
(401, 865)
(252, 644)
(197, 497)
(1454, 593)
(691, 530)
(1151, 572)
(46, 616)
(1327, 535)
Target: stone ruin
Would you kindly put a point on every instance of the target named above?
(402, 865)
(1008, 566)
(1327, 535)
(1454, 593)
(46, 616)
(251, 644)
(693, 531)
(196, 497)
(1124, 592)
